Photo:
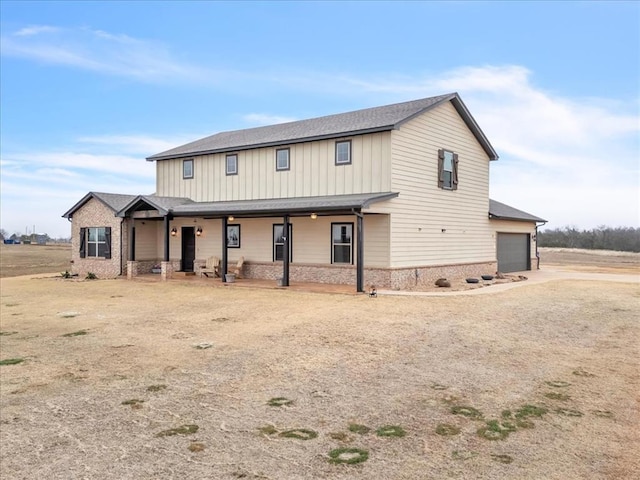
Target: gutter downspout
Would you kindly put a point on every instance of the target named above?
(537, 252)
(359, 251)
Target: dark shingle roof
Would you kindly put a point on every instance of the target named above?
(369, 120)
(162, 204)
(115, 201)
(283, 206)
(502, 211)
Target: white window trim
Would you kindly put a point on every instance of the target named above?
(288, 167)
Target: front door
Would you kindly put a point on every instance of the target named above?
(188, 248)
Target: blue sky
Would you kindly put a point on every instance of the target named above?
(89, 89)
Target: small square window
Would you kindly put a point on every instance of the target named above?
(187, 168)
(282, 159)
(343, 152)
(232, 164)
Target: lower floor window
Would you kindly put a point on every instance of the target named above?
(95, 242)
(341, 242)
(278, 242)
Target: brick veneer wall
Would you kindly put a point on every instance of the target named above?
(94, 213)
(390, 278)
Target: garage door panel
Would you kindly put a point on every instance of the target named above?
(513, 252)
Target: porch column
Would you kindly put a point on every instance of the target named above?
(223, 264)
(167, 235)
(131, 235)
(285, 255)
(359, 253)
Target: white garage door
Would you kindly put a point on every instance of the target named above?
(513, 252)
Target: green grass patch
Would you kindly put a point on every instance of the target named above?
(359, 429)
(279, 402)
(300, 434)
(156, 388)
(557, 396)
(391, 431)
(446, 429)
(527, 411)
(602, 413)
(506, 414)
(132, 402)
(569, 412)
(466, 411)
(11, 304)
(11, 361)
(492, 431)
(348, 456)
(502, 458)
(76, 334)
(524, 423)
(268, 430)
(181, 430)
(6, 334)
(558, 383)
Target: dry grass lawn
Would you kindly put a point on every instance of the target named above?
(111, 368)
(30, 259)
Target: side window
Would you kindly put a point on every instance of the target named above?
(282, 159)
(187, 168)
(95, 242)
(342, 243)
(278, 242)
(343, 152)
(232, 164)
(447, 170)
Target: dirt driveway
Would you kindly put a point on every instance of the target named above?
(539, 381)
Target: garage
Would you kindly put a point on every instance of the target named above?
(513, 252)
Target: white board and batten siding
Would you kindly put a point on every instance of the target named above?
(311, 239)
(312, 172)
(429, 225)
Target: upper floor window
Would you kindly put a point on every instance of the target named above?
(187, 168)
(282, 159)
(343, 152)
(232, 164)
(341, 242)
(95, 242)
(447, 170)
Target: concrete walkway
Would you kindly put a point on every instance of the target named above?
(545, 274)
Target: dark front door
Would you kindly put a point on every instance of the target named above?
(188, 248)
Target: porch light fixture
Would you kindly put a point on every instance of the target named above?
(314, 216)
(174, 231)
(231, 218)
(199, 231)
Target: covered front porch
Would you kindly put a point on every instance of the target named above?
(312, 239)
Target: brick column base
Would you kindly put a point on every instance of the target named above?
(132, 269)
(167, 270)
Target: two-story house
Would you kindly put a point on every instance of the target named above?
(393, 196)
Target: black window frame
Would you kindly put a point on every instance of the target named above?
(185, 162)
(337, 144)
(333, 245)
(274, 244)
(226, 163)
(101, 249)
(288, 167)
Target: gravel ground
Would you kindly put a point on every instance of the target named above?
(340, 359)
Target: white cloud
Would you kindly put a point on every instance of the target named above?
(571, 160)
(35, 30)
(103, 52)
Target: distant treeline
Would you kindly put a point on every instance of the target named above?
(625, 239)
